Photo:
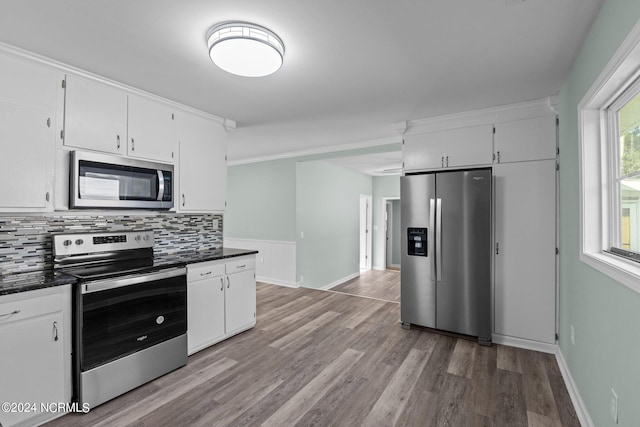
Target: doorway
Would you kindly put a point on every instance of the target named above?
(392, 233)
(365, 232)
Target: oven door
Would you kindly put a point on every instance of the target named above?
(122, 316)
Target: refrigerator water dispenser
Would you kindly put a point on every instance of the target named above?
(417, 241)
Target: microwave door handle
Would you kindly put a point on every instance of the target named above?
(160, 186)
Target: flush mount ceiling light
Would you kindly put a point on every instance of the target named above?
(245, 49)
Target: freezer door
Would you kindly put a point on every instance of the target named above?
(417, 280)
(463, 235)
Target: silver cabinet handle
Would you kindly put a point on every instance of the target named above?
(442, 161)
(133, 145)
(118, 141)
(447, 161)
(206, 274)
(228, 282)
(222, 284)
(498, 157)
(241, 266)
(497, 248)
(184, 200)
(47, 196)
(14, 312)
(55, 331)
(49, 122)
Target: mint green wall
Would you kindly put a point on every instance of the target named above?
(383, 186)
(261, 201)
(604, 313)
(395, 239)
(328, 213)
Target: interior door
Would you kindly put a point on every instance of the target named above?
(417, 286)
(388, 229)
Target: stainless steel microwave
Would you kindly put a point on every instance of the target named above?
(102, 181)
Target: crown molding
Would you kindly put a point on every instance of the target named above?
(485, 116)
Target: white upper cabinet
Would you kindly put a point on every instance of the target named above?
(28, 102)
(524, 140)
(423, 151)
(469, 146)
(152, 130)
(95, 116)
(202, 166)
(105, 118)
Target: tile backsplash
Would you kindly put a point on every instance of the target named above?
(25, 241)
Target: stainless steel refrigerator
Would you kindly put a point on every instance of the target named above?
(446, 255)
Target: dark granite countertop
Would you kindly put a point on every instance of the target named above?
(23, 282)
(31, 281)
(200, 256)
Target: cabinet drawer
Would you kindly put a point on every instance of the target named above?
(204, 270)
(29, 307)
(243, 264)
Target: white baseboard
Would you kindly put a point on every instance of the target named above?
(378, 268)
(339, 281)
(272, 281)
(526, 344)
(574, 393)
(395, 265)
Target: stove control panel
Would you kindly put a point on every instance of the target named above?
(87, 243)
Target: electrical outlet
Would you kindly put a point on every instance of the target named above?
(301, 235)
(215, 223)
(573, 336)
(261, 260)
(614, 406)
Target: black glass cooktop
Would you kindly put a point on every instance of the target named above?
(108, 270)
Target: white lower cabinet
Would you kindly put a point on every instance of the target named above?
(525, 252)
(221, 300)
(35, 358)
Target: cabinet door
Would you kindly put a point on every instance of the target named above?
(525, 260)
(28, 103)
(95, 116)
(203, 166)
(469, 146)
(240, 301)
(31, 364)
(205, 314)
(423, 151)
(152, 132)
(523, 140)
(28, 153)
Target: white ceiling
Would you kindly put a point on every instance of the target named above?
(351, 70)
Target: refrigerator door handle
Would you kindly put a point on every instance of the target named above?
(438, 238)
(432, 237)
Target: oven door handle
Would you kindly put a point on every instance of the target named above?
(118, 282)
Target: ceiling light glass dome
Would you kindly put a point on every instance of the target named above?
(245, 49)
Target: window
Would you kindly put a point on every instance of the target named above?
(609, 132)
(624, 146)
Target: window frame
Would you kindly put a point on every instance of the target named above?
(598, 163)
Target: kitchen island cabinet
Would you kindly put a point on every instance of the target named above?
(221, 300)
(35, 360)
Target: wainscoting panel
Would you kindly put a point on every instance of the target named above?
(275, 262)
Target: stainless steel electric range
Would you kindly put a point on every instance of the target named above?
(130, 315)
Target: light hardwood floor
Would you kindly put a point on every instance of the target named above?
(329, 359)
(384, 285)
